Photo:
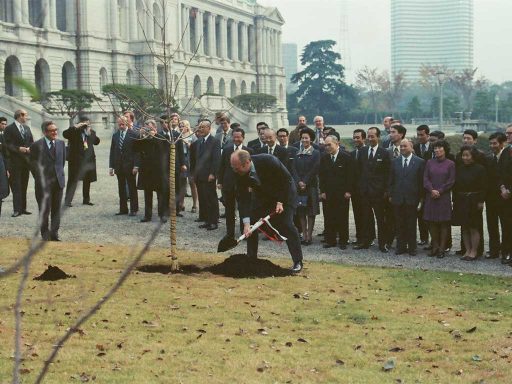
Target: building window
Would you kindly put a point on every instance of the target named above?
(62, 24)
(35, 13)
(42, 76)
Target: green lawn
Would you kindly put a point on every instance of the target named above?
(331, 324)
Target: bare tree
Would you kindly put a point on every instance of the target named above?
(368, 79)
(466, 85)
(392, 89)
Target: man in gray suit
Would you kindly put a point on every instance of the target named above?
(405, 190)
(226, 133)
(47, 160)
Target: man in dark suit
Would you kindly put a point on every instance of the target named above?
(81, 159)
(264, 186)
(423, 149)
(205, 159)
(405, 192)
(374, 166)
(259, 142)
(359, 138)
(493, 201)
(124, 163)
(283, 138)
(505, 185)
(227, 183)
(272, 147)
(47, 159)
(18, 139)
(336, 183)
(225, 135)
(4, 164)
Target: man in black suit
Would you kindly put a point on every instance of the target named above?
(18, 139)
(205, 159)
(4, 164)
(423, 149)
(272, 147)
(226, 179)
(124, 163)
(336, 178)
(374, 166)
(505, 185)
(47, 159)
(81, 159)
(259, 142)
(264, 186)
(405, 192)
(283, 138)
(359, 138)
(493, 201)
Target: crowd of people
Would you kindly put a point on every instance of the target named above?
(405, 195)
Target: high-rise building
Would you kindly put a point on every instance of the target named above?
(433, 32)
(290, 64)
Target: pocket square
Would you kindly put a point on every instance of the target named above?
(379, 159)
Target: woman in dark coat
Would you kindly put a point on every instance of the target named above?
(305, 173)
(81, 159)
(438, 181)
(4, 173)
(468, 199)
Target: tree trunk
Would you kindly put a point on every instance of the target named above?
(172, 205)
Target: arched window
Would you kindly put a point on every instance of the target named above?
(243, 88)
(209, 86)
(158, 22)
(233, 89)
(253, 87)
(161, 76)
(12, 69)
(129, 77)
(42, 76)
(197, 86)
(103, 78)
(222, 87)
(68, 76)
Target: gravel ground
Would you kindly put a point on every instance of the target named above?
(97, 224)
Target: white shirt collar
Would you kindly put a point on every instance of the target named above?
(48, 141)
(335, 154)
(206, 137)
(374, 149)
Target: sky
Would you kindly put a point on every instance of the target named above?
(367, 31)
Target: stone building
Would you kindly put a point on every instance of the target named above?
(223, 47)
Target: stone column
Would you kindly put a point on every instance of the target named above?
(223, 37)
(114, 20)
(258, 31)
(185, 28)
(234, 40)
(279, 49)
(245, 43)
(198, 42)
(53, 14)
(269, 47)
(133, 24)
(45, 10)
(23, 4)
(212, 43)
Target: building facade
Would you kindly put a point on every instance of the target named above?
(224, 47)
(290, 64)
(434, 32)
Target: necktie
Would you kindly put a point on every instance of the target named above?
(52, 149)
(396, 153)
(224, 139)
(22, 131)
(121, 140)
(495, 160)
(237, 147)
(371, 154)
(357, 153)
(405, 163)
(201, 145)
(270, 151)
(423, 148)
(333, 159)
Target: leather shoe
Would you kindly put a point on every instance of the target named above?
(55, 238)
(342, 246)
(88, 203)
(16, 214)
(121, 213)
(212, 227)
(205, 225)
(297, 267)
(506, 259)
(422, 243)
(198, 221)
(327, 245)
(26, 213)
(179, 215)
(384, 249)
(69, 205)
(145, 220)
(492, 256)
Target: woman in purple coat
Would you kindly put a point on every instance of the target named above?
(438, 181)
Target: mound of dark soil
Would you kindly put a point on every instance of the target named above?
(53, 273)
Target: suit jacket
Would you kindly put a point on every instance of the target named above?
(4, 167)
(179, 157)
(292, 156)
(337, 178)
(81, 158)
(406, 184)
(279, 152)
(226, 174)
(45, 167)
(13, 140)
(205, 158)
(373, 180)
(427, 155)
(126, 159)
(219, 136)
(505, 169)
(255, 144)
(269, 183)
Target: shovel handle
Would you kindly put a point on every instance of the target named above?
(255, 226)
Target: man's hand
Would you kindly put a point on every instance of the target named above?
(183, 167)
(24, 150)
(323, 196)
(505, 194)
(111, 172)
(302, 185)
(219, 186)
(247, 230)
(435, 194)
(211, 178)
(347, 195)
(279, 207)
(135, 170)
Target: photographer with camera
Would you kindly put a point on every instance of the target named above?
(81, 159)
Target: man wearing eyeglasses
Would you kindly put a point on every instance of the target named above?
(18, 139)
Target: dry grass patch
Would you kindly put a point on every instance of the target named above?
(331, 324)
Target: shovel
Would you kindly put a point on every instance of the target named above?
(227, 243)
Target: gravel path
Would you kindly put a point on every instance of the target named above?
(97, 224)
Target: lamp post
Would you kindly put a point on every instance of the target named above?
(440, 78)
(497, 104)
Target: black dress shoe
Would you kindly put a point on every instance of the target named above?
(297, 267)
(427, 248)
(342, 246)
(16, 214)
(145, 220)
(198, 221)
(179, 215)
(441, 255)
(205, 225)
(26, 213)
(328, 245)
(422, 243)
(88, 203)
(506, 259)
(212, 227)
(492, 256)
(69, 205)
(121, 213)
(55, 238)
(384, 249)
(223, 216)
(362, 246)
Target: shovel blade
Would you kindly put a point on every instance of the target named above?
(226, 243)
